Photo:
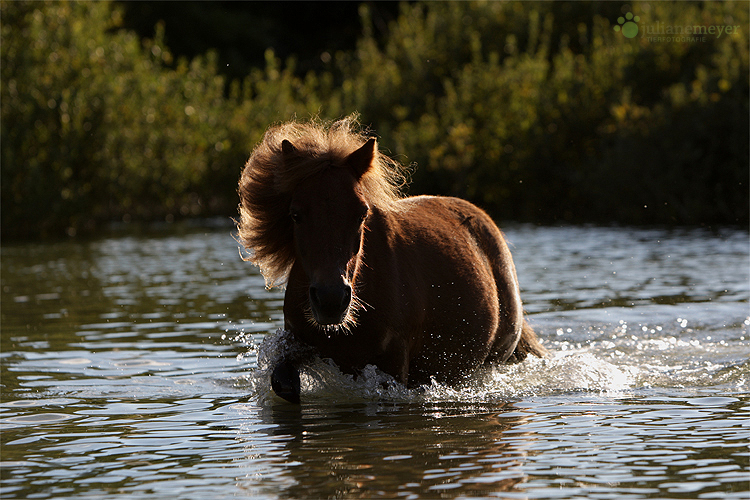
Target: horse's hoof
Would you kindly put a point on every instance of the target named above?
(285, 382)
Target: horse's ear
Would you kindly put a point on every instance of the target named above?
(361, 160)
(287, 149)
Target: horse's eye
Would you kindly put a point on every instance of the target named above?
(295, 217)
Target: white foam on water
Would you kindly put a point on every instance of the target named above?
(321, 380)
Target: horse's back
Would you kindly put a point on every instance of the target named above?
(449, 217)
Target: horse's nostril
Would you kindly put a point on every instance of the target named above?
(330, 303)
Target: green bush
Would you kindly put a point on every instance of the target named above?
(678, 152)
(94, 126)
(536, 111)
(542, 112)
(98, 126)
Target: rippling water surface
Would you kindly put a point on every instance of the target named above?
(136, 367)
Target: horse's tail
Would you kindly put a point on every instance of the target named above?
(527, 344)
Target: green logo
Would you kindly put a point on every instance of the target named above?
(629, 28)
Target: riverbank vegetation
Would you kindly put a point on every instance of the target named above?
(538, 112)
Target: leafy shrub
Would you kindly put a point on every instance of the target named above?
(536, 111)
(543, 112)
(98, 126)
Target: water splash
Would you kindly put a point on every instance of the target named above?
(321, 380)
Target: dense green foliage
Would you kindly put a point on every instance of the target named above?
(544, 112)
(537, 112)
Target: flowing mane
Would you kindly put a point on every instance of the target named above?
(267, 184)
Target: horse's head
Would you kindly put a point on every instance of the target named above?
(329, 212)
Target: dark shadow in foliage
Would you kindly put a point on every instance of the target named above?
(241, 32)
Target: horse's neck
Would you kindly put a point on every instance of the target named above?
(383, 227)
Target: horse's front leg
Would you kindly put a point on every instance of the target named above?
(285, 376)
(285, 380)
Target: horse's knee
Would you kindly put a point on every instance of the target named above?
(285, 382)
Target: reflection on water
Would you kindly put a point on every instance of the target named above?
(550, 447)
(388, 450)
(129, 367)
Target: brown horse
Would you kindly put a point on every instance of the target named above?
(420, 287)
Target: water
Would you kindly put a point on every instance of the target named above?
(136, 367)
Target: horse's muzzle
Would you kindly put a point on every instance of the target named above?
(330, 303)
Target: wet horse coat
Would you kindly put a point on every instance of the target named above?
(422, 287)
